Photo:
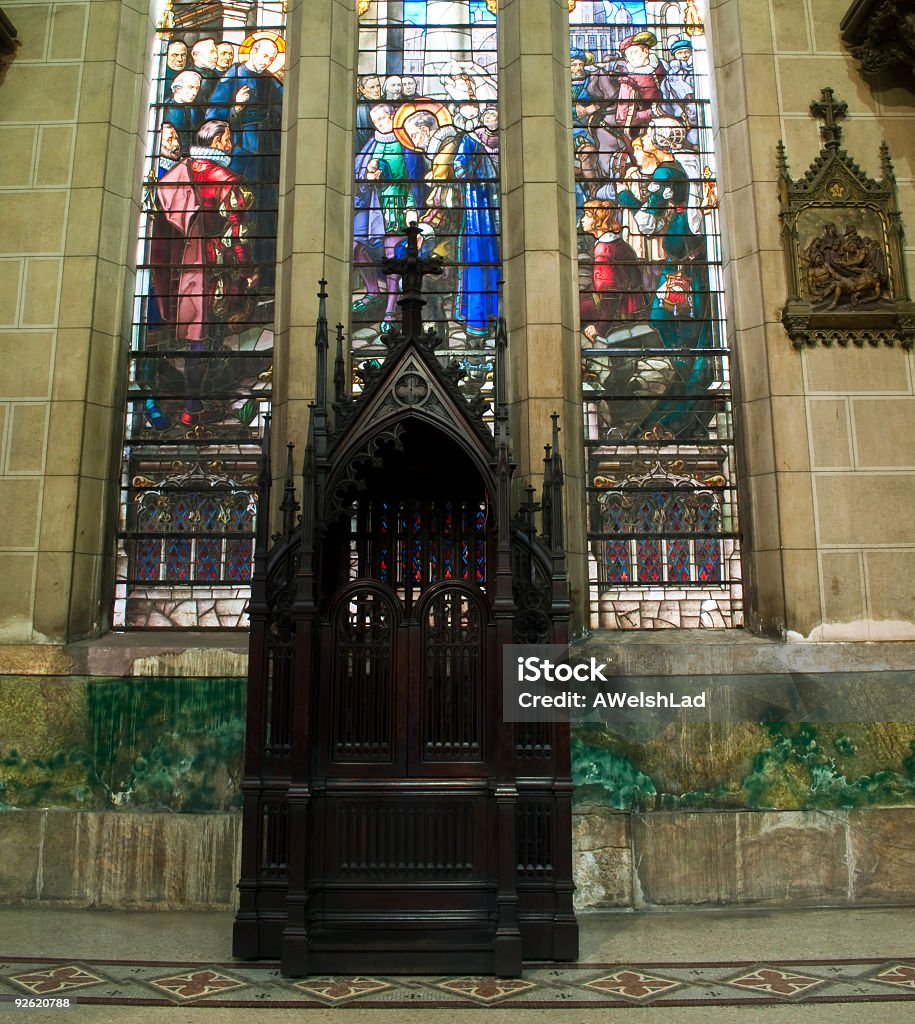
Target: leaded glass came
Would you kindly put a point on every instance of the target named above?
(662, 512)
(202, 347)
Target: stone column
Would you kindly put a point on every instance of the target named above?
(69, 198)
(314, 239)
(539, 255)
(765, 373)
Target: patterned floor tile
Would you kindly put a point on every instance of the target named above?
(776, 981)
(902, 975)
(632, 984)
(196, 984)
(486, 989)
(338, 990)
(582, 985)
(56, 979)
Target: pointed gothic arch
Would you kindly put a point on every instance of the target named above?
(400, 818)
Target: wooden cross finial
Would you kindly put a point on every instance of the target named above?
(411, 269)
(829, 111)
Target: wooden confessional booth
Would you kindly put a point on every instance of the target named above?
(392, 821)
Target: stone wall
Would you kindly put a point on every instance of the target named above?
(70, 136)
(783, 858)
(622, 860)
(121, 762)
(119, 860)
(825, 435)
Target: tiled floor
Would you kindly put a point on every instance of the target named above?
(840, 966)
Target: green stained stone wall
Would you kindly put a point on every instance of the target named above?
(96, 744)
(176, 744)
(775, 765)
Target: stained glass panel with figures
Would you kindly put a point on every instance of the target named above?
(427, 150)
(662, 507)
(202, 348)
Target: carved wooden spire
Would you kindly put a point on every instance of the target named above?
(321, 346)
(289, 506)
(339, 369)
(264, 484)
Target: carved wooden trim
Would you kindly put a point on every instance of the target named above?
(880, 34)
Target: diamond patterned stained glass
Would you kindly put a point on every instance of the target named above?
(448, 543)
(677, 550)
(655, 361)
(708, 551)
(648, 552)
(618, 563)
(200, 367)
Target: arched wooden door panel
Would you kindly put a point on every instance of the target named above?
(453, 690)
(357, 708)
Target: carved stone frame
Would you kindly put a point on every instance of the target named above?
(835, 189)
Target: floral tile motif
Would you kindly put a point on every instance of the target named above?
(196, 984)
(486, 989)
(337, 990)
(56, 979)
(776, 981)
(583, 984)
(902, 975)
(632, 984)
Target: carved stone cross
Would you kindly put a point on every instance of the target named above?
(829, 111)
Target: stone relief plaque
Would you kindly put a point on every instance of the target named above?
(842, 237)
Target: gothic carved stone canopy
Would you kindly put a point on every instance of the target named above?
(842, 237)
(881, 34)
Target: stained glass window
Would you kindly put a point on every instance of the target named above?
(201, 356)
(662, 509)
(427, 150)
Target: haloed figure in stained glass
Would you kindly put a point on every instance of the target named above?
(462, 177)
(427, 121)
(250, 98)
(387, 194)
(202, 343)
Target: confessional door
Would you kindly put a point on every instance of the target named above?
(404, 837)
